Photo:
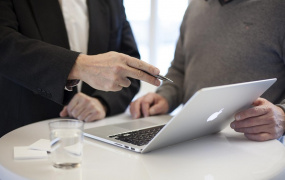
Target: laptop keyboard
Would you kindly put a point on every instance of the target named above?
(140, 137)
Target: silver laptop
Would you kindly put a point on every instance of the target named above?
(208, 111)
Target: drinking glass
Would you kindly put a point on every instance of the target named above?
(66, 136)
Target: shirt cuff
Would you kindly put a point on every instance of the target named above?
(70, 84)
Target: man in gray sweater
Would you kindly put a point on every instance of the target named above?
(224, 42)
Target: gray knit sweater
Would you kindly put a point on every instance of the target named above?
(241, 41)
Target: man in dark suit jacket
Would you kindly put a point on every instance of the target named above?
(36, 60)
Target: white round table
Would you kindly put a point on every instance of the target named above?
(223, 156)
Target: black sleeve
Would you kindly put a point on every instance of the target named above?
(32, 63)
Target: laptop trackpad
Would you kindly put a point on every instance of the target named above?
(137, 124)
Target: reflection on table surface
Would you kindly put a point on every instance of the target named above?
(226, 155)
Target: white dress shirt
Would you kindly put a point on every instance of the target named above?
(75, 13)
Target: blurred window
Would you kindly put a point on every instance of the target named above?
(155, 24)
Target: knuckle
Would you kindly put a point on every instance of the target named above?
(144, 101)
(139, 64)
(150, 69)
(272, 119)
(249, 122)
(84, 100)
(112, 54)
(254, 110)
(92, 107)
(139, 74)
(270, 108)
(263, 110)
(122, 58)
(88, 101)
(240, 115)
(117, 69)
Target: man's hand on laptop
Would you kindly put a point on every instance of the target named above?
(148, 105)
(262, 122)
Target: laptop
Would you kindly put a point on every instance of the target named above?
(208, 111)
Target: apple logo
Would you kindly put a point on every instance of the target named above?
(215, 115)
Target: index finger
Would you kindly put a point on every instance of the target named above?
(141, 75)
(251, 112)
(141, 65)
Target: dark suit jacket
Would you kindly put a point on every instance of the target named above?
(35, 59)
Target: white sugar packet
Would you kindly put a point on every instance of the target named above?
(24, 152)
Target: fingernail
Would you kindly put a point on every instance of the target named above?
(156, 71)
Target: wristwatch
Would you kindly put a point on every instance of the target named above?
(70, 84)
